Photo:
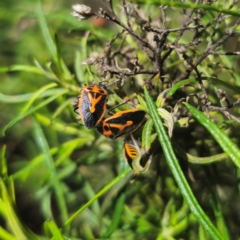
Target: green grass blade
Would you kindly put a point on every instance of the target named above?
(7, 205)
(177, 172)
(53, 49)
(6, 235)
(61, 65)
(25, 97)
(80, 56)
(42, 104)
(78, 68)
(146, 134)
(54, 179)
(90, 193)
(63, 151)
(198, 160)
(116, 216)
(61, 127)
(142, 104)
(180, 84)
(35, 96)
(179, 227)
(3, 162)
(223, 140)
(51, 226)
(216, 204)
(60, 109)
(23, 68)
(36, 162)
(45, 31)
(47, 73)
(99, 194)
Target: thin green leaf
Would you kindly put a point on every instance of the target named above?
(223, 140)
(54, 179)
(117, 215)
(36, 95)
(62, 151)
(27, 96)
(19, 230)
(45, 31)
(177, 172)
(90, 193)
(65, 73)
(6, 235)
(216, 204)
(161, 98)
(79, 58)
(53, 228)
(180, 84)
(23, 172)
(99, 194)
(78, 68)
(177, 228)
(202, 234)
(58, 56)
(46, 203)
(146, 134)
(11, 189)
(42, 104)
(3, 162)
(168, 120)
(49, 41)
(23, 68)
(63, 128)
(48, 74)
(142, 104)
(66, 149)
(198, 160)
(60, 109)
(205, 160)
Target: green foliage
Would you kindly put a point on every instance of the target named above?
(60, 180)
(177, 173)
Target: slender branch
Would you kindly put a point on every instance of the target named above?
(223, 53)
(208, 52)
(226, 113)
(166, 31)
(225, 108)
(164, 18)
(126, 13)
(105, 15)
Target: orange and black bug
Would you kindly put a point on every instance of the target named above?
(137, 158)
(124, 122)
(91, 104)
(130, 152)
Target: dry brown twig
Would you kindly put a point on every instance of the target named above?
(153, 35)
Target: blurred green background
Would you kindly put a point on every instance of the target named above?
(57, 165)
(85, 162)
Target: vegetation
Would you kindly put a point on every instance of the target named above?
(178, 62)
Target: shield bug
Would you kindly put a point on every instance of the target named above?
(137, 158)
(91, 104)
(129, 152)
(124, 122)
